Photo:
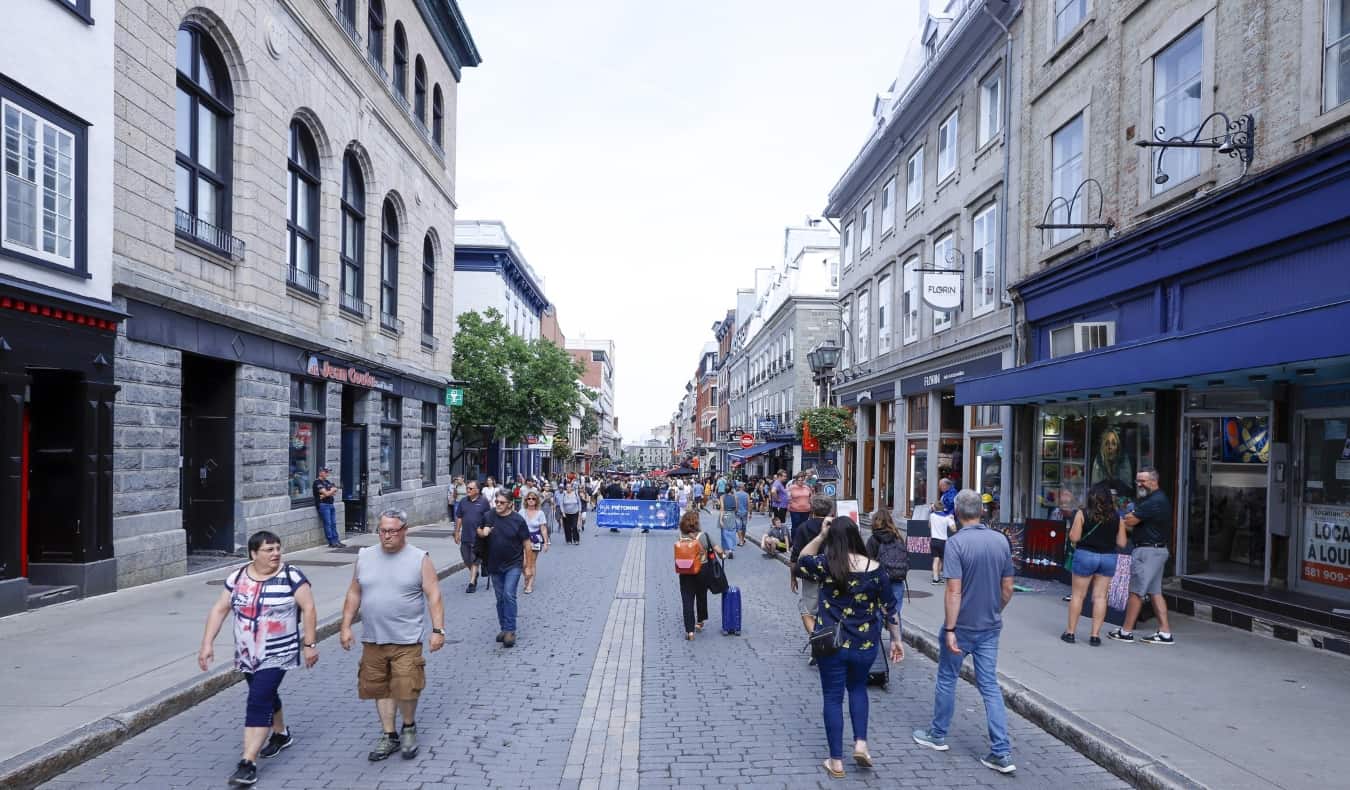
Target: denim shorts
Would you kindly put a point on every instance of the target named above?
(1090, 563)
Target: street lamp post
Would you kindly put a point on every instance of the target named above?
(823, 360)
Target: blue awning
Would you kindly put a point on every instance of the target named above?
(758, 449)
(1281, 346)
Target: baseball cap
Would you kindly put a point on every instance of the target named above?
(986, 498)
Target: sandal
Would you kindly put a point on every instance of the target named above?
(689, 637)
(698, 627)
(839, 774)
(863, 758)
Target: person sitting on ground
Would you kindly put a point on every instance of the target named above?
(776, 539)
(856, 596)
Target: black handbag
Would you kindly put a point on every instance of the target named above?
(826, 640)
(714, 573)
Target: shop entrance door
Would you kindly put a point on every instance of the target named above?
(1224, 497)
(208, 454)
(354, 474)
(53, 474)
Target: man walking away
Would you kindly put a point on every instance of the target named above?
(778, 496)
(469, 514)
(979, 574)
(394, 587)
(742, 512)
(325, 501)
(1150, 524)
(822, 507)
(508, 539)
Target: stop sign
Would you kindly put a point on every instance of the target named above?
(747, 441)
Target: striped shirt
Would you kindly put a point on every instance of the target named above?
(266, 619)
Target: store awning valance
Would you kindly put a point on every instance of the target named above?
(1299, 343)
(758, 449)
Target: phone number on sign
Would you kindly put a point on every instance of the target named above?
(1326, 574)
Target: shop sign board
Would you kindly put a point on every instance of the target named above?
(1326, 546)
(454, 396)
(946, 377)
(942, 290)
(346, 374)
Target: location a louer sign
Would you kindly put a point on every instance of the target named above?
(941, 290)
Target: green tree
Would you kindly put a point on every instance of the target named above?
(590, 425)
(832, 426)
(562, 449)
(512, 385)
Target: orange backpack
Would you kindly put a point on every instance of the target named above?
(688, 555)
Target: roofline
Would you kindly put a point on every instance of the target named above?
(451, 31)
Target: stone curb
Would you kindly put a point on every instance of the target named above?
(41, 763)
(1134, 766)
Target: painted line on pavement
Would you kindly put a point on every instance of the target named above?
(604, 751)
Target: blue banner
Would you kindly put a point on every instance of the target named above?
(637, 514)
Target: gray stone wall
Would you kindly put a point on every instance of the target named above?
(148, 538)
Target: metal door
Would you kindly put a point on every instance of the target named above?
(208, 483)
(354, 476)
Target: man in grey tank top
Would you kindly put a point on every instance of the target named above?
(394, 586)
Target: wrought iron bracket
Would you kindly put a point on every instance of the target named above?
(1069, 205)
(1237, 139)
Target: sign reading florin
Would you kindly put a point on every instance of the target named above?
(941, 290)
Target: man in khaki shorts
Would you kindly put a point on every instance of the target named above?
(394, 585)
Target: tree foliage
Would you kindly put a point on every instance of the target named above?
(590, 425)
(832, 426)
(562, 449)
(513, 385)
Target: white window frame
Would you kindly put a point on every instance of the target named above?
(885, 300)
(848, 245)
(865, 229)
(1340, 41)
(864, 325)
(911, 300)
(888, 206)
(1066, 16)
(42, 124)
(991, 106)
(914, 181)
(943, 319)
(1180, 164)
(846, 322)
(984, 260)
(1072, 167)
(948, 145)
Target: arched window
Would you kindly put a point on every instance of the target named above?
(302, 217)
(389, 267)
(428, 289)
(437, 115)
(205, 109)
(375, 32)
(400, 61)
(420, 90)
(353, 235)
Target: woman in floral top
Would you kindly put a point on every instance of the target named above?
(855, 593)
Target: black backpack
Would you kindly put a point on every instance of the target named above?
(894, 558)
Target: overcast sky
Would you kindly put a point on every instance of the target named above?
(646, 156)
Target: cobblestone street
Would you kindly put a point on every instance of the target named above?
(601, 633)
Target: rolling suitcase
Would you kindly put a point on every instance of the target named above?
(880, 673)
(731, 611)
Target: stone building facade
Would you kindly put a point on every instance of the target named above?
(925, 207)
(284, 249)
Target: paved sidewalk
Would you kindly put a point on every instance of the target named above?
(88, 671)
(1221, 707)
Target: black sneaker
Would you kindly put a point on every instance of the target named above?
(277, 742)
(1121, 636)
(1095, 641)
(1068, 637)
(501, 635)
(936, 581)
(473, 587)
(245, 774)
(385, 746)
(1158, 639)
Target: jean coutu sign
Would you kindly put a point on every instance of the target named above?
(942, 291)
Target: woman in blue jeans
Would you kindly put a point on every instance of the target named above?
(1095, 535)
(854, 592)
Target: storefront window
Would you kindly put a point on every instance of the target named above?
(391, 443)
(950, 459)
(1325, 548)
(306, 440)
(950, 415)
(917, 473)
(918, 414)
(988, 472)
(428, 444)
(1081, 446)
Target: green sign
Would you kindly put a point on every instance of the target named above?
(454, 396)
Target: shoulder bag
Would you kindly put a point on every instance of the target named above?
(714, 573)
